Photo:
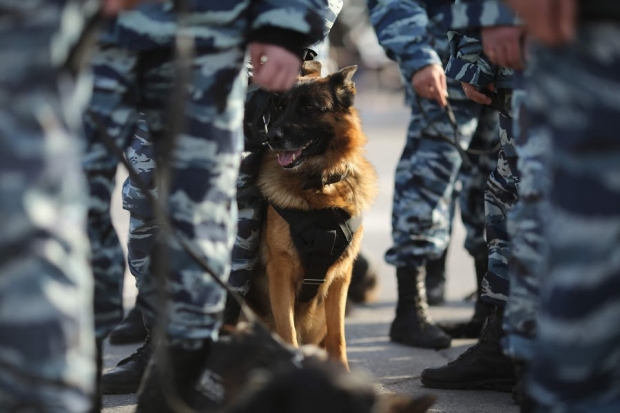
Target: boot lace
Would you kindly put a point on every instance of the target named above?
(485, 330)
(142, 355)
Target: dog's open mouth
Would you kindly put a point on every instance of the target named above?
(291, 159)
(286, 159)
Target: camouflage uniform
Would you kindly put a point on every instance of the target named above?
(46, 341)
(468, 64)
(133, 73)
(513, 230)
(142, 225)
(429, 166)
(574, 95)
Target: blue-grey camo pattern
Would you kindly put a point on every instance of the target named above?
(500, 196)
(142, 224)
(250, 202)
(216, 23)
(133, 74)
(424, 181)
(412, 34)
(474, 14)
(429, 166)
(473, 183)
(469, 64)
(46, 328)
(525, 227)
(467, 61)
(575, 95)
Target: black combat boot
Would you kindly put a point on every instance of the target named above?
(413, 325)
(130, 330)
(125, 378)
(436, 280)
(473, 327)
(171, 382)
(482, 367)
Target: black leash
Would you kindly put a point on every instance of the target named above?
(454, 141)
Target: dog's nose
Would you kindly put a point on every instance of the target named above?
(275, 136)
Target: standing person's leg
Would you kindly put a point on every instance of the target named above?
(202, 208)
(575, 89)
(250, 204)
(424, 182)
(112, 106)
(142, 229)
(471, 202)
(485, 366)
(47, 351)
(126, 376)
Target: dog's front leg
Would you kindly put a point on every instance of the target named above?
(282, 300)
(335, 304)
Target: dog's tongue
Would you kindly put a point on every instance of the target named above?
(286, 158)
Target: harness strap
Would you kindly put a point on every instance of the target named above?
(321, 237)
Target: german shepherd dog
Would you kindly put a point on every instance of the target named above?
(315, 165)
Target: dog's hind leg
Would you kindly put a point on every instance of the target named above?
(335, 304)
(282, 300)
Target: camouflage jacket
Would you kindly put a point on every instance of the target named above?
(293, 24)
(413, 34)
(467, 61)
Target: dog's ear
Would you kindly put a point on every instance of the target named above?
(405, 404)
(342, 82)
(311, 68)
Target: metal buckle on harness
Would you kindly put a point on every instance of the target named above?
(313, 281)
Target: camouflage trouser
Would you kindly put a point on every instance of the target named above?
(46, 332)
(204, 168)
(425, 178)
(525, 227)
(251, 209)
(500, 196)
(575, 98)
(142, 226)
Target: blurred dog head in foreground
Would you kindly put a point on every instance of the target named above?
(253, 371)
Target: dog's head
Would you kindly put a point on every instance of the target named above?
(315, 121)
(251, 370)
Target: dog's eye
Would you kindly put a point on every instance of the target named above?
(309, 108)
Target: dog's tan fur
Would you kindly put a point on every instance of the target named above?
(321, 321)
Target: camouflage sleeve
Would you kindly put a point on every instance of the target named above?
(292, 24)
(475, 14)
(467, 61)
(401, 28)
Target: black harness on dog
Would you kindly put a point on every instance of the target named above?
(320, 237)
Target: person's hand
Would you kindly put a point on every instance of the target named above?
(112, 7)
(430, 83)
(552, 22)
(475, 95)
(502, 44)
(274, 67)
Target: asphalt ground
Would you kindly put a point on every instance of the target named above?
(394, 368)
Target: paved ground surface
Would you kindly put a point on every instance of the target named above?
(394, 368)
